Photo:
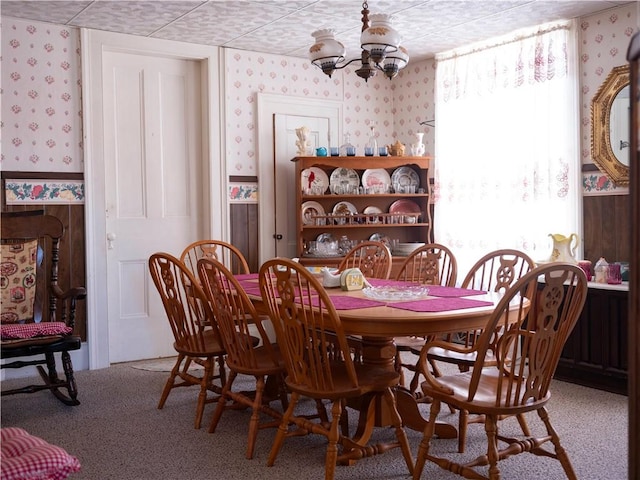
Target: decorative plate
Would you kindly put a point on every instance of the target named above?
(344, 177)
(344, 208)
(314, 178)
(405, 176)
(404, 206)
(405, 292)
(310, 210)
(375, 176)
(373, 211)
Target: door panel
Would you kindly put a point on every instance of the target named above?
(152, 151)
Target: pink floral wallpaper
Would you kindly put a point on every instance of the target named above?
(41, 93)
(41, 98)
(248, 73)
(604, 39)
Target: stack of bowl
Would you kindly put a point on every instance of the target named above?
(406, 249)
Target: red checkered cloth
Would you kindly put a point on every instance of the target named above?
(13, 331)
(26, 457)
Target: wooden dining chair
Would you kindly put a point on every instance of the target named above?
(495, 272)
(224, 252)
(430, 264)
(524, 338)
(195, 332)
(371, 257)
(238, 324)
(304, 317)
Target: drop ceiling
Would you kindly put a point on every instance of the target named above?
(284, 27)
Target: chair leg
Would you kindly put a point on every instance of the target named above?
(54, 383)
(491, 428)
(170, 381)
(463, 422)
(204, 388)
(222, 402)
(423, 449)
(561, 453)
(282, 429)
(523, 425)
(400, 433)
(333, 437)
(254, 422)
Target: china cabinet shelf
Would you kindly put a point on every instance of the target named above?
(402, 217)
(372, 226)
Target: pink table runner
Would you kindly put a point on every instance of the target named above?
(440, 291)
(352, 303)
(246, 276)
(439, 304)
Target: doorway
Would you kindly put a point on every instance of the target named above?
(284, 196)
(108, 275)
(270, 105)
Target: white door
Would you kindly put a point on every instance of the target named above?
(269, 106)
(153, 155)
(284, 194)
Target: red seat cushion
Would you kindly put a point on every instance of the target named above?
(13, 331)
(26, 457)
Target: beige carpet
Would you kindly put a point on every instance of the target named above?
(160, 365)
(118, 433)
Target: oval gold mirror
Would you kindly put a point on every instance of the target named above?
(610, 126)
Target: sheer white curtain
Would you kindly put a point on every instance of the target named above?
(507, 163)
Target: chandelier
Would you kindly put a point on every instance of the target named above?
(380, 44)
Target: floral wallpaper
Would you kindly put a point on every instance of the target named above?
(604, 39)
(41, 93)
(41, 98)
(248, 73)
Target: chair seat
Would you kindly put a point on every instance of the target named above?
(191, 346)
(369, 380)
(264, 364)
(484, 400)
(38, 345)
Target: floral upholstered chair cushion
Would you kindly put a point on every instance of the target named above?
(18, 281)
(18, 287)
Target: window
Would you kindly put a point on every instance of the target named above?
(507, 163)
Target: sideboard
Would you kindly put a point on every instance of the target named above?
(595, 354)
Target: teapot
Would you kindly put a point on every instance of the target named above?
(396, 149)
(564, 248)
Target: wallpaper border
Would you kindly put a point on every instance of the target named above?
(35, 191)
(597, 183)
(243, 192)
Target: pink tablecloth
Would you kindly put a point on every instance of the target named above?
(439, 304)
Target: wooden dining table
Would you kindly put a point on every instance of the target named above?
(444, 310)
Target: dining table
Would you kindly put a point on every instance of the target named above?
(377, 320)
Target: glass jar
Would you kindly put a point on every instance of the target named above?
(601, 271)
(347, 149)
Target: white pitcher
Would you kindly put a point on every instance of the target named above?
(564, 248)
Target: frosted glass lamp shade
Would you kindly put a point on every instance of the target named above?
(396, 61)
(380, 38)
(326, 52)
